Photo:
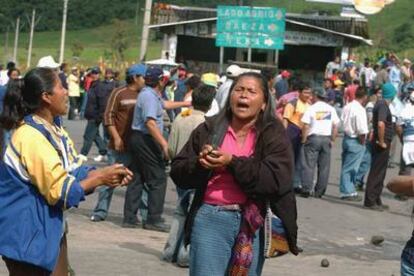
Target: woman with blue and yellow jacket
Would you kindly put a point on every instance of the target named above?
(40, 174)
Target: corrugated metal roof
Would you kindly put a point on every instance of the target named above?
(164, 14)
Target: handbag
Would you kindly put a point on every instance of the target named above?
(275, 241)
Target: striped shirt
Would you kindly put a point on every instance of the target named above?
(119, 112)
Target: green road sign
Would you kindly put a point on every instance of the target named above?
(250, 27)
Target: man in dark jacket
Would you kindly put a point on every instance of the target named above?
(97, 99)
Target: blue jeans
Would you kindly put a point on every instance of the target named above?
(174, 250)
(83, 105)
(352, 154)
(105, 192)
(92, 135)
(364, 166)
(407, 269)
(212, 239)
(407, 259)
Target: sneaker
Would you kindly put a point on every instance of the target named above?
(159, 226)
(297, 190)
(101, 158)
(359, 187)
(82, 157)
(96, 218)
(355, 198)
(304, 194)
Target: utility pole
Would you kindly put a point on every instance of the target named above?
(145, 30)
(16, 39)
(32, 26)
(62, 39)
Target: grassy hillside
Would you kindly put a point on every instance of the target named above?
(97, 41)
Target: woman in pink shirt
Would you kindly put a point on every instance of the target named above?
(236, 161)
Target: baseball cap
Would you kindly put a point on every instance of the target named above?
(153, 74)
(233, 71)
(95, 70)
(338, 82)
(47, 62)
(136, 69)
(285, 74)
(210, 79)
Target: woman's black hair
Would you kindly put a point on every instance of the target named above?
(23, 96)
(266, 116)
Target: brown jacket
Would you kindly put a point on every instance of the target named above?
(119, 112)
(267, 175)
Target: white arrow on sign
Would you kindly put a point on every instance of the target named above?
(269, 42)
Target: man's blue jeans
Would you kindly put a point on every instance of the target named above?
(352, 154)
(364, 166)
(92, 135)
(105, 192)
(212, 239)
(83, 105)
(174, 250)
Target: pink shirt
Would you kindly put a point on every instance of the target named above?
(222, 189)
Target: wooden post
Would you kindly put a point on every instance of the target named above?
(249, 55)
(277, 59)
(32, 25)
(63, 36)
(145, 30)
(221, 59)
(16, 39)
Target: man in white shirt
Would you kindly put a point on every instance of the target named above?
(367, 74)
(405, 130)
(355, 123)
(74, 93)
(318, 134)
(331, 66)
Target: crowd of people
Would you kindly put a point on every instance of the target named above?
(238, 145)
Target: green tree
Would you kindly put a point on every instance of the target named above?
(403, 36)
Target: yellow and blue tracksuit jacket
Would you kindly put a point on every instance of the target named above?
(39, 178)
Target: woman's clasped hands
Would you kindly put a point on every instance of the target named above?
(115, 175)
(213, 158)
